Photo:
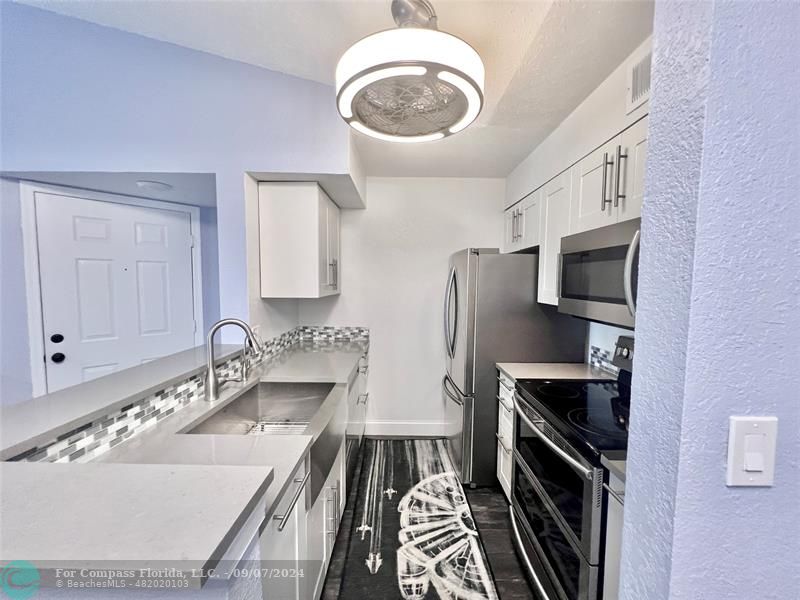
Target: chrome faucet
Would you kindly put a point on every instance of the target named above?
(212, 379)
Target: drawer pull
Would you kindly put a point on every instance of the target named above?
(284, 519)
(506, 449)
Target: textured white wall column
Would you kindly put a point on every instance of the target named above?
(717, 327)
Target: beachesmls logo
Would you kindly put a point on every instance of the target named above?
(20, 580)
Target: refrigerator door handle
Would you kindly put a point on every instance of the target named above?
(450, 389)
(448, 336)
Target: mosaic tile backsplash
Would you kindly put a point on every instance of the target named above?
(88, 441)
(601, 359)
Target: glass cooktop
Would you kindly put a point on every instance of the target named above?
(591, 413)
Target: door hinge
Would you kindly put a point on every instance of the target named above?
(194, 325)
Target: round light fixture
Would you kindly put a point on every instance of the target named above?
(411, 84)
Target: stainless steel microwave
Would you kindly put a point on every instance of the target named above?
(598, 274)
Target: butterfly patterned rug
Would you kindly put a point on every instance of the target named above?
(413, 535)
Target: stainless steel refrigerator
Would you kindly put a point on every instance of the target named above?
(491, 315)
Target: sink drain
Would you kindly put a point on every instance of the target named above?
(278, 428)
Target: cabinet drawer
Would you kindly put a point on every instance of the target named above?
(504, 461)
(504, 421)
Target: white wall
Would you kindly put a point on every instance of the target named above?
(717, 317)
(394, 265)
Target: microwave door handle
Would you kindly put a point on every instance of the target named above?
(523, 554)
(628, 274)
(552, 445)
(559, 267)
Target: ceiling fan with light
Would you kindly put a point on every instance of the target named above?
(410, 84)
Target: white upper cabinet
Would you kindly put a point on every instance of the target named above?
(592, 188)
(521, 225)
(530, 211)
(633, 144)
(555, 225)
(298, 240)
(608, 185)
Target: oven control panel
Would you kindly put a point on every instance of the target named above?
(623, 353)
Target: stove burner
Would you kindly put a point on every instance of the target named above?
(554, 390)
(596, 422)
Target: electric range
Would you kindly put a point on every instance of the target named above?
(561, 427)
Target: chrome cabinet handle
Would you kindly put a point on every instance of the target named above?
(505, 406)
(514, 226)
(523, 554)
(521, 226)
(618, 496)
(627, 281)
(284, 519)
(606, 164)
(552, 445)
(506, 449)
(620, 156)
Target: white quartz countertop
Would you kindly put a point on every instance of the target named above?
(332, 362)
(125, 515)
(552, 371)
(42, 419)
(156, 496)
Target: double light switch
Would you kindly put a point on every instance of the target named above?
(751, 451)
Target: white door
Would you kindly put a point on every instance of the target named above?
(591, 205)
(555, 225)
(633, 142)
(116, 286)
(530, 216)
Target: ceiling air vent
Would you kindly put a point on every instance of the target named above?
(638, 79)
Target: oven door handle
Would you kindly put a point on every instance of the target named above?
(524, 555)
(588, 473)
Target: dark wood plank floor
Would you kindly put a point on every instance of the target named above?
(490, 511)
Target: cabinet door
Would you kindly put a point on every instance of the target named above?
(316, 559)
(530, 219)
(591, 204)
(286, 549)
(633, 143)
(555, 225)
(333, 224)
(509, 229)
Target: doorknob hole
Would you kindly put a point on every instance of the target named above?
(58, 357)
(56, 338)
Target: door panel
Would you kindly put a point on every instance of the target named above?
(459, 363)
(634, 144)
(116, 282)
(454, 410)
(530, 218)
(587, 209)
(555, 225)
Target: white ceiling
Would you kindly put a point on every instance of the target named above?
(542, 58)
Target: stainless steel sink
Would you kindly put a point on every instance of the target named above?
(283, 408)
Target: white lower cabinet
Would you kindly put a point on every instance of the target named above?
(505, 429)
(324, 518)
(283, 544)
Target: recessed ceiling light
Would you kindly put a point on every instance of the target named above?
(411, 84)
(153, 186)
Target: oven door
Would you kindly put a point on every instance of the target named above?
(571, 486)
(557, 566)
(598, 274)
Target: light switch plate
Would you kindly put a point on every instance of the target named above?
(751, 451)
